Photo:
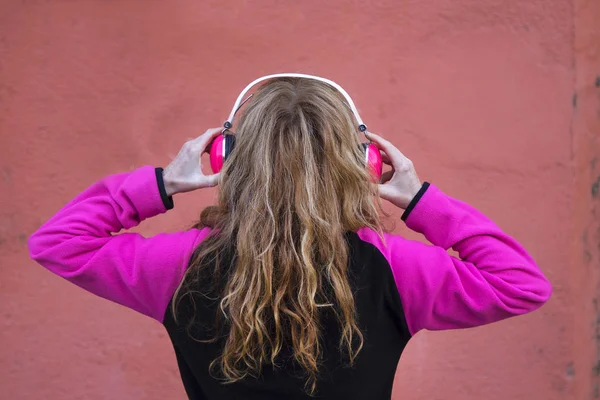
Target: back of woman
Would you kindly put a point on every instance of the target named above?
(289, 287)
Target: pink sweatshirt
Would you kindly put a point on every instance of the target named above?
(495, 278)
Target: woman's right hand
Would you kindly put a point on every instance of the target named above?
(401, 184)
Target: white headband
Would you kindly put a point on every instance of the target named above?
(238, 103)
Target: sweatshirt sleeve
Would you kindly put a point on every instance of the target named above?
(80, 243)
(492, 279)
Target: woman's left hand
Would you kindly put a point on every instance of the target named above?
(184, 173)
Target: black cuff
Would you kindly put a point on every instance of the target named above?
(415, 200)
(167, 200)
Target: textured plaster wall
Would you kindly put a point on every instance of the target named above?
(495, 101)
(585, 264)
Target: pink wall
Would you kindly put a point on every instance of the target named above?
(584, 265)
(493, 100)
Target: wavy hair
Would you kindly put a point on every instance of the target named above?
(293, 187)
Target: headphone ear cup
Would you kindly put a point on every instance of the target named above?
(220, 149)
(229, 145)
(373, 160)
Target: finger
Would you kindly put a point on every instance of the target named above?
(386, 176)
(201, 142)
(385, 158)
(396, 157)
(210, 134)
(212, 131)
(379, 141)
(212, 180)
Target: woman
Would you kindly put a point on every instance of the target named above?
(289, 288)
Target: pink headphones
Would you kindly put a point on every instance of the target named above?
(223, 144)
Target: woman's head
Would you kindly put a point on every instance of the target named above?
(297, 144)
(294, 185)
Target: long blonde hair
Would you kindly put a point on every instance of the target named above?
(293, 187)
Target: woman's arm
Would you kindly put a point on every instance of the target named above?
(80, 245)
(79, 242)
(495, 278)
